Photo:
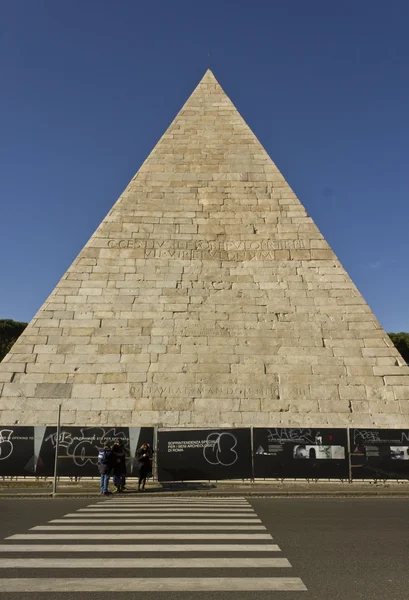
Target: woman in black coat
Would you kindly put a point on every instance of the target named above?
(144, 456)
(119, 462)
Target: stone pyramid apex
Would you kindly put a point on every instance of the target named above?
(209, 77)
(207, 297)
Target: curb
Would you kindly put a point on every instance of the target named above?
(215, 494)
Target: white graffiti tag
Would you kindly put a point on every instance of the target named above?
(83, 447)
(6, 445)
(220, 449)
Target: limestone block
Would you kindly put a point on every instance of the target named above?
(305, 405)
(363, 420)
(256, 418)
(294, 391)
(115, 390)
(359, 370)
(396, 380)
(387, 370)
(53, 377)
(75, 404)
(249, 404)
(209, 404)
(116, 417)
(205, 419)
(19, 390)
(335, 406)
(274, 405)
(68, 417)
(384, 393)
(111, 378)
(169, 418)
(324, 392)
(401, 392)
(404, 406)
(352, 392)
(13, 403)
(388, 420)
(329, 370)
(9, 367)
(379, 406)
(98, 404)
(120, 404)
(185, 418)
(11, 417)
(90, 417)
(146, 418)
(6, 377)
(86, 390)
(141, 404)
(359, 406)
(53, 390)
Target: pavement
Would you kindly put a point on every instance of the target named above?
(267, 488)
(185, 548)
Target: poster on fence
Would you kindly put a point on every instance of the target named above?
(204, 454)
(17, 451)
(300, 453)
(78, 448)
(379, 453)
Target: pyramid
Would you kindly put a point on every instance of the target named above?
(206, 297)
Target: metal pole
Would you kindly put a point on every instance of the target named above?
(252, 452)
(155, 455)
(57, 445)
(349, 457)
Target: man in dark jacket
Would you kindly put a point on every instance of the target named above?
(119, 462)
(105, 465)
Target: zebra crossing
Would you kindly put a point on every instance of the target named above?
(207, 544)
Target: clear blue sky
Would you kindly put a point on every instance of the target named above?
(88, 87)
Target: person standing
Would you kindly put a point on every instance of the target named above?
(105, 468)
(144, 456)
(119, 462)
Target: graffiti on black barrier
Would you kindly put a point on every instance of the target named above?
(17, 451)
(6, 443)
(83, 448)
(220, 449)
(185, 455)
(380, 453)
(78, 448)
(304, 453)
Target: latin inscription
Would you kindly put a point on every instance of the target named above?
(208, 250)
(209, 391)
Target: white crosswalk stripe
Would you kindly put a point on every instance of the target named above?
(187, 535)
(163, 527)
(140, 536)
(96, 519)
(160, 584)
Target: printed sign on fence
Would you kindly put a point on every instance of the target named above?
(186, 455)
(379, 453)
(300, 453)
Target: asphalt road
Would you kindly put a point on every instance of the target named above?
(336, 549)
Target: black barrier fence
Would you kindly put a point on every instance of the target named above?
(379, 453)
(301, 453)
(31, 450)
(186, 454)
(212, 454)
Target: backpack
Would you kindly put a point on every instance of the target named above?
(104, 456)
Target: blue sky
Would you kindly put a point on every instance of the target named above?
(88, 87)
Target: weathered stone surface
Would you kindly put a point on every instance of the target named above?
(206, 297)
